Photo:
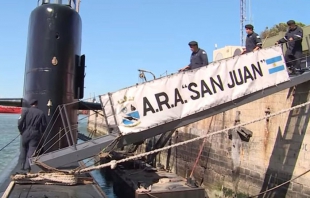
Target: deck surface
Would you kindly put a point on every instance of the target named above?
(49, 191)
(46, 191)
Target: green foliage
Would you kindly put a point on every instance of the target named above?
(276, 29)
(229, 193)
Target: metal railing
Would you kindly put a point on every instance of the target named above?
(74, 4)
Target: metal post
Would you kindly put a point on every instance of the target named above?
(143, 76)
(59, 142)
(64, 125)
(105, 116)
(111, 102)
(307, 39)
(69, 126)
(308, 45)
(96, 120)
(78, 5)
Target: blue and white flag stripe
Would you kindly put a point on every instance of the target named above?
(273, 61)
(276, 69)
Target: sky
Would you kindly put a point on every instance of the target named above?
(120, 37)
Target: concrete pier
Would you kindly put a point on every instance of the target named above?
(96, 123)
(277, 152)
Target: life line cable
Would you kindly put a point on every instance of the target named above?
(70, 177)
(113, 163)
(200, 151)
(9, 142)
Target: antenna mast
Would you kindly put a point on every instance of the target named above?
(242, 20)
(250, 13)
(77, 6)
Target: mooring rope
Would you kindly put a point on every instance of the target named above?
(46, 178)
(10, 142)
(113, 163)
(70, 177)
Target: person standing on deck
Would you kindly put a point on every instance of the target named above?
(31, 125)
(253, 41)
(293, 54)
(198, 58)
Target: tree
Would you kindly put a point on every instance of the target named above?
(276, 29)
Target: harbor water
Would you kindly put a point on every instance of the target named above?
(9, 131)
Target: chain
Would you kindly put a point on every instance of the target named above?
(113, 163)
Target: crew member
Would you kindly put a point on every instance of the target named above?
(198, 58)
(293, 54)
(31, 125)
(253, 41)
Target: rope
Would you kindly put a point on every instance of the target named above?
(278, 186)
(66, 132)
(47, 178)
(10, 142)
(69, 178)
(112, 145)
(59, 108)
(49, 123)
(149, 194)
(198, 157)
(200, 151)
(113, 163)
(52, 138)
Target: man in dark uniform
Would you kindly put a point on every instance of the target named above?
(198, 58)
(31, 125)
(293, 54)
(253, 41)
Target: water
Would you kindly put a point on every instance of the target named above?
(9, 131)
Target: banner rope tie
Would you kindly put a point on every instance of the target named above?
(113, 163)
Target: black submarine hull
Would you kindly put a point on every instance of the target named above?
(53, 64)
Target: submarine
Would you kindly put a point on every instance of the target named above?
(54, 67)
(54, 75)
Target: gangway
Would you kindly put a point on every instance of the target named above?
(270, 77)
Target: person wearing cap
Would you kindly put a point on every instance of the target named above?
(198, 58)
(31, 125)
(293, 54)
(253, 41)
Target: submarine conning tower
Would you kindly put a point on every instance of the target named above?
(54, 69)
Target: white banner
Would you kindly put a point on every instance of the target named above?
(156, 102)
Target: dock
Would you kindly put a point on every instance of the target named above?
(140, 180)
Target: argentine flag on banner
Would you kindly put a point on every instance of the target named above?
(275, 64)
